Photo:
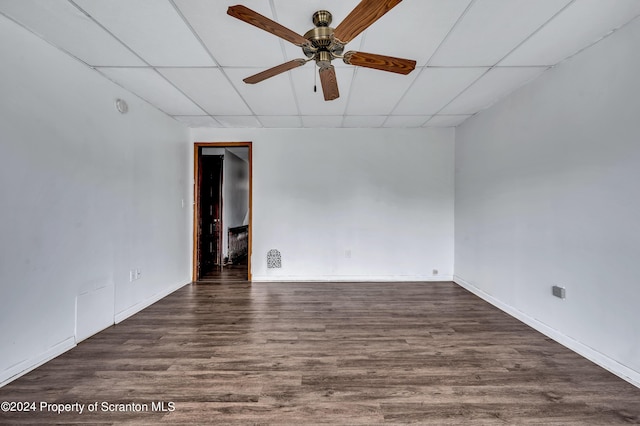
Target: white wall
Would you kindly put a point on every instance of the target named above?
(350, 204)
(87, 194)
(548, 193)
(235, 202)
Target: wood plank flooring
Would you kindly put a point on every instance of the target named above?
(227, 274)
(324, 353)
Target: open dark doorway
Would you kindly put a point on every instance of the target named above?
(210, 227)
(222, 212)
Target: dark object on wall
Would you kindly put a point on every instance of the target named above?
(238, 244)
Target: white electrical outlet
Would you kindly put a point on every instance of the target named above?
(138, 274)
(132, 275)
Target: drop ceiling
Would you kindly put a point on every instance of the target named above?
(188, 57)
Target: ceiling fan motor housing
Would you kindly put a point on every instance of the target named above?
(324, 48)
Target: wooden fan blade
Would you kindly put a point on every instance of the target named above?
(329, 83)
(271, 72)
(249, 16)
(380, 62)
(365, 13)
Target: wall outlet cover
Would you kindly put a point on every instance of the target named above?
(558, 291)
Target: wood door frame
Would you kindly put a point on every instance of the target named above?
(196, 199)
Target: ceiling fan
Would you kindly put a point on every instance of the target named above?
(323, 43)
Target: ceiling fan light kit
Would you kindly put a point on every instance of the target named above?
(324, 43)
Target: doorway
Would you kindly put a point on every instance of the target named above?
(210, 228)
(222, 211)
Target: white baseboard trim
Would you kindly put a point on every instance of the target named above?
(24, 367)
(132, 310)
(591, 354)
(351, 278)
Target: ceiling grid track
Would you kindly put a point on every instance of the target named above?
(426, 65)
(66, 52)
(95, 21)
(215, 61)
(221, 68)
(502, 59)
(534, 32)
(597, 41)
(94, 68)
(148, 65)
(284, 58)
(503, 45)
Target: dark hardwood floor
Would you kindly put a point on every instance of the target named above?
(227, 274)
(324, 353)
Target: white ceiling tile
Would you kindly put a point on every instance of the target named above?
(376, 92)
(150, 86)
(364, 120)
(414, 29)
(491, 29)
(328, 121)
(313, 103)
(578, 26)
(280, 121)
(233, 42)
(472, 34)
(238, 121)
(406, 120)
(446, 120)
(273, 96)
(60, 23)
(436, 87)
(296, 15)
(151, 28)
(493, 85)
(197, 120)
(209, 88)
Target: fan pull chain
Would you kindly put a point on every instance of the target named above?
(315, 87)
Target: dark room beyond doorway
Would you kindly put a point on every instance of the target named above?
(222, 228)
